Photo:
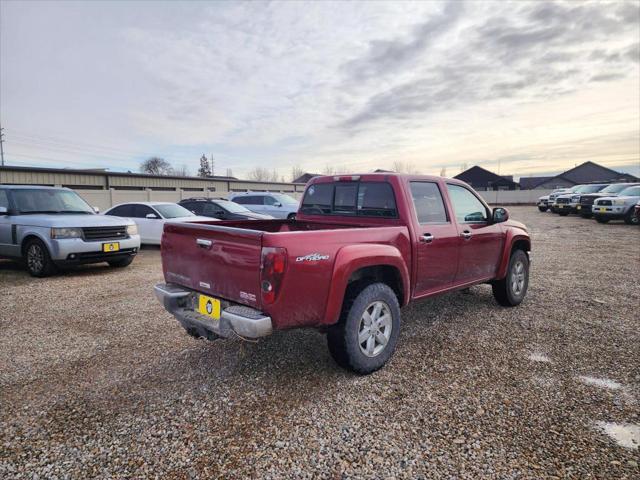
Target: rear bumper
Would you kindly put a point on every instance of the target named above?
(244, 321)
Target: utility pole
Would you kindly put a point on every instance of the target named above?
(1, 148)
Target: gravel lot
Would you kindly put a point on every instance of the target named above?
(98, 381)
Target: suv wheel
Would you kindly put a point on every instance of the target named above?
(542, 209)
(366, 335)
(121, 262)
(511, 290)
(601, 219)
(291, 216)
(38, 260)
(630, 218)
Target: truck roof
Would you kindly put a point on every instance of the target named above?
(372, 176)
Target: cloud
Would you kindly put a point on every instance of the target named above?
(533, 54)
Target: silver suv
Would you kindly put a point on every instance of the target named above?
(620, 206)
(50, 227)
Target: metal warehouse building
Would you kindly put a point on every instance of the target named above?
(104, 189)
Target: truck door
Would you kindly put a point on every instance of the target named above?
(481, 241)
(438, 242)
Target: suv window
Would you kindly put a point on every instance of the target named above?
(367, 199)
(269, 200)
(428, 202)
(249, 200)
(211, 209)
(466, 206)
(122, 211)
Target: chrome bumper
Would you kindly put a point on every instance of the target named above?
(244, 321)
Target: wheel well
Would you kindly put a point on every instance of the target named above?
(378, 273)
(26, 240)
(523, 245)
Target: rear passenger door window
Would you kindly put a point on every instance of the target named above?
(141, 211)
(428, 202)
(122, 211)
(466, 206)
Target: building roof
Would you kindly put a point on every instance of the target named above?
(477, 176)
(305, 177)
(529, 183)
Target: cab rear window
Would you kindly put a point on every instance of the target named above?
(364, 199)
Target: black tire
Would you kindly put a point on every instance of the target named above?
(511, 290)
(38, 260)
(585, 215)
(291, 216)
(630, 218)
(542, 209)
(121, 262)
(342, 338)
(601, 219)
(563, 214)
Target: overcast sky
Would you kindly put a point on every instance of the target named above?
(523, 88)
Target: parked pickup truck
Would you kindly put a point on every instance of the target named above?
(361, 247)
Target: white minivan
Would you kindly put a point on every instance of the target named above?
(277, 205)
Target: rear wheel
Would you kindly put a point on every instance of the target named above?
(630, 218)
(38, 260)
(366, 335)
(291, 216)
(601, 219)
(121, 262)
(511, 290)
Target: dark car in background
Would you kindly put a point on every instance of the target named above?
(586, 200)
(221, 209)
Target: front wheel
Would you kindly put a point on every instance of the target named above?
(510, 291)
(542, 209)
(291, 216)
(366, 335)
(601, 219)
(121, 262)
(38, 260)
(630, 218)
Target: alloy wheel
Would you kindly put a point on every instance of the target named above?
(375, 329)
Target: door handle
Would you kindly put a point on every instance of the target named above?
(426, 238)
(466, 234)
(202, 243)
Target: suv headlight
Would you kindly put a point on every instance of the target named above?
(66, 232)
(132, 229)
(618, 202)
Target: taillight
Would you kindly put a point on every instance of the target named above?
(272, 267)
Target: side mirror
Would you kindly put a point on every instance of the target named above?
(4, 211)
(151, 216)
(500, 215)
(96, 209)
(277, 204)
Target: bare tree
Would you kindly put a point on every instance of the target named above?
(182, 171)
(261, 174)
(443, 172)
(156, 166)
(404, 167)
(296, 172)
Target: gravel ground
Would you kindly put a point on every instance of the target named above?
(98, 381)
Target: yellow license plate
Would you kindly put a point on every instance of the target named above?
(602, 209)
(111, 247)
(209, 306)
(560, 206)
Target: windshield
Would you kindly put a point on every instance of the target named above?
(631, 192)
(232, 206)
(49, 201)
(589, 189)
(285, 199)
(172, 210)
(616, 188)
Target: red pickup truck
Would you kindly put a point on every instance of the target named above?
(360, 247)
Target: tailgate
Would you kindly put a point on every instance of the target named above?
(221, 261)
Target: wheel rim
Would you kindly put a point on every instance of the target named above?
(518, 277)
(35, 258)
(375, 328)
